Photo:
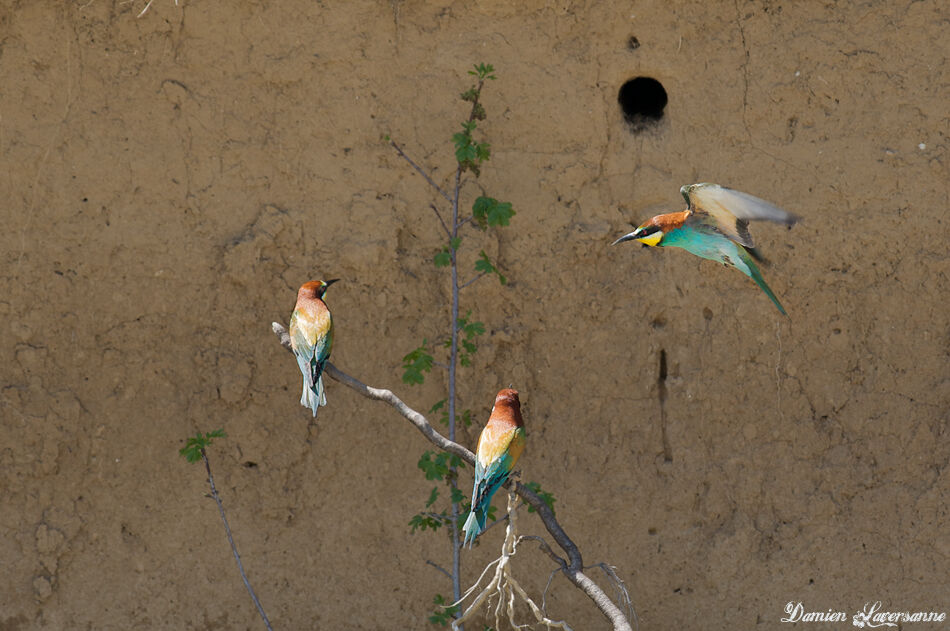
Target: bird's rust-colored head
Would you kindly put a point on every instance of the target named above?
(507, 401)
(314, 289)
(651, 231)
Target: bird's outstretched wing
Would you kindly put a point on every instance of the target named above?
(732, 210)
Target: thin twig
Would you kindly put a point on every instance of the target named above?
(544, 548)
(421, 171)
(227, 529)
(439, 567)
(623, 596)
(467, 283)
(448, 233)
(575, 566)
(500, 519)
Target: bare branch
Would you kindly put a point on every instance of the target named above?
(544, 548)
(441, 221)
(227, 530)
(575, 567)
(387, 396)
(421, 172)
(467, 283)
(439, 567)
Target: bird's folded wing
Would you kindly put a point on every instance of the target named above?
(497, 442)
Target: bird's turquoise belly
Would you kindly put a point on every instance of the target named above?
(712, 246)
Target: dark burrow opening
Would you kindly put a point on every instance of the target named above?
(642, 100)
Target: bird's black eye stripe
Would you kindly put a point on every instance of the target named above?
(647, 231)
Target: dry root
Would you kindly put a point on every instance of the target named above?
(503, 586)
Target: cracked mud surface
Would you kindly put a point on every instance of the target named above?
(171, 180)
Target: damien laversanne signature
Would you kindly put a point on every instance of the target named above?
(871, 616)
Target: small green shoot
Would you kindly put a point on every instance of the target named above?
(483, 72)
(192, 451)
(485, 266)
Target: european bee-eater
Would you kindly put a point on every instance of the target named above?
(715, 226)
(499, 446)
(311, 336)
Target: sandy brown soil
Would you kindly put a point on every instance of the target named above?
(170, 180)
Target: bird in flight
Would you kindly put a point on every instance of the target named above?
(715, 226)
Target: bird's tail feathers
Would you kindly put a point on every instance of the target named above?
(313, 397)
(756, 275)
(474, 525)
(757, 256)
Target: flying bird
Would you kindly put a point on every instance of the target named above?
(715, 226)
(499, 446)
(311, 337)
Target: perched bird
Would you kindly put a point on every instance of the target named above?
(499, 447)
(715, 226)
(311, 337)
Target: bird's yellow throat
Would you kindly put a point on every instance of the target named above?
(652, 239)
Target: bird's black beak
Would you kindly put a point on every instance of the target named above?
(627, 237)
(330, 282)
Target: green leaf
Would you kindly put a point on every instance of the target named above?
(461, 139)
(485, 266)
(457, 496)
(423, 522)
(455, 243)
(482, 151)
(415, 363)
(194, 447)
(483, 71)
(546, 497)
(442, 258)
(465, 154)
(480, 210)
(433, 496)
(438, 466)
(438, 405)
(444, 614)
(488, 211)
(473, 329)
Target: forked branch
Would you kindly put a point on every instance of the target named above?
(573, 567)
